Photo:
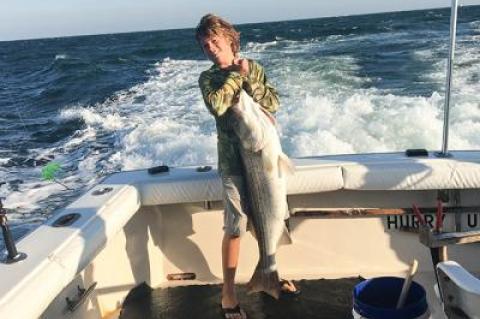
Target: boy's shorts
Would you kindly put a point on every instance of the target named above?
(236, 206)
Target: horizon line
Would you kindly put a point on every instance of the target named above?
(235, 24)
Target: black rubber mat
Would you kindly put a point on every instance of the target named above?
(326, 299)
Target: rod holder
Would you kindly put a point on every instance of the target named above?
(13, 255)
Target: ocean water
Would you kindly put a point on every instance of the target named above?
(106, 103)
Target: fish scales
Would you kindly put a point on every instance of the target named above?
(265, 166)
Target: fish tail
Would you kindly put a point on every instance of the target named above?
(267, 282)
(285, 165)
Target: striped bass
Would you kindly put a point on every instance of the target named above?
(265, 175)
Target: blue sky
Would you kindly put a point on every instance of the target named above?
(26, 19)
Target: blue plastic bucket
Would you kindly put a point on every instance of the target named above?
(377, 298)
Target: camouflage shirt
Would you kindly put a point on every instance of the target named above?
(219, 89)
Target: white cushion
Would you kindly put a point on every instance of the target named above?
(185, 184)
(397, 172)
(314, 176)
(387, 171)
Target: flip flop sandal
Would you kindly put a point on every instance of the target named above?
(286, 293)
(236, 311)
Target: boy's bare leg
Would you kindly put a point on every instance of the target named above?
(230, 253)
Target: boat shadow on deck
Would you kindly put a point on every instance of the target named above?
(326, 299)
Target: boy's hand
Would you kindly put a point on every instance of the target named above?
(243, 68)
(240, 66)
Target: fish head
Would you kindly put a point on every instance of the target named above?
(246, 127)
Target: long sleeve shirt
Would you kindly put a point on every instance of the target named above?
(219, 90)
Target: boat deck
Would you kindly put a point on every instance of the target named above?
(322, 298)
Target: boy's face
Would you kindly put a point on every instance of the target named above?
(218, 49)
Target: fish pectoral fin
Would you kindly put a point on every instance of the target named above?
(285, 238)
(285, 165)
(267, 161)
